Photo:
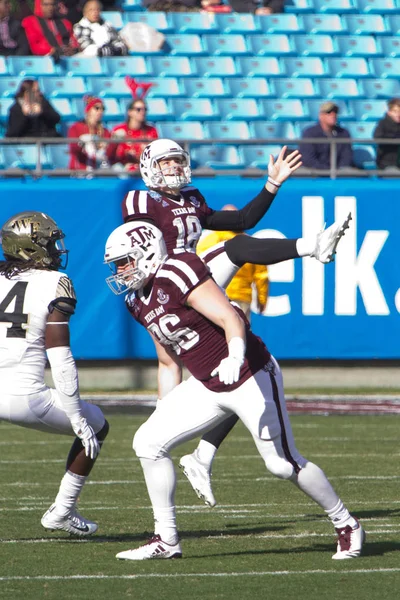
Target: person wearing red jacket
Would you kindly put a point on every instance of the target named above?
(49, 35)
(89, 153)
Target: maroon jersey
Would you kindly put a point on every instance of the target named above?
(200, 344)
(181, 221)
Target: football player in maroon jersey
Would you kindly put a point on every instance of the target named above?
(191, 320)
(181, 212)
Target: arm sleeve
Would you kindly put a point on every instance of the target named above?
(245, 218)
(49, 114)
(17, 121)
(257, 251)
(65, 377)
(379, 130)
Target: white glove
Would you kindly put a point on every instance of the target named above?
(229, 367)
(85, 433)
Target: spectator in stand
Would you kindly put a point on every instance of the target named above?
(69, 9)
(128, 153)
(318, 156)
(89, 153)
(262, 7)
(248, 278)
(32, 115)
(388, 155)
(48, 34)
(97, 37)
(13, 40)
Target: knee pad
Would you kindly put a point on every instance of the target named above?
(279, 467)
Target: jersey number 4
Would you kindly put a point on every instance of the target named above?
(17, 318)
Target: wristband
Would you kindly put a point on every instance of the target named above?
(275, 183)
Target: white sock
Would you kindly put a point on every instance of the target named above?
(70, 488)
(305, 246)
(161, 482)
(205, 453)
(340, 516)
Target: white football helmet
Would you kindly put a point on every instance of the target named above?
(134, 251)
(171, 177)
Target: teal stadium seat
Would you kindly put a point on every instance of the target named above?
(390, 46)
(331, 89)
(385, 68)
(58, 155)
(358, 45)
(82, 66)
(274, 44)
(237, 23)
(361, 129)
(238, 109)
(295, 88)
(251, 87)
(315, 45)
(366, 25)
(9, 86)
(216, 66)
(182, 130)
(262, 66)
(257, 156)
(381, 7)
(305, 66)
(194, 22)
(158, 20)
(280, 23)
(299, 6)
(63, 87)
(194, 109)
(368, 110)
(5, 104)
(348, 67)
(216, 157)
(30, 66)
(393, 22)
(227, 130)
(271, 130)
(364, 156)
(346, 112)
(2, 159)
(173, 66)
(4, 67)
(158, 109)
(25, 156)
(114, 17)
(120, 66)
(226, 45)
(165, 87)
(324, 24)
(188, 44)
(380, 88)
(285, 110)
(107, 87)
(334, 6)
(65, 108)
(213, 87)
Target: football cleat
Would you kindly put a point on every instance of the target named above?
(199, 478)
(154, 549)
(74, 523)
(328, 239)
(349, 542)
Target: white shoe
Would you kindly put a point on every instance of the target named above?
(155, 548)
(199, 478)
(74, 523)
(328, 239)
(350, 541)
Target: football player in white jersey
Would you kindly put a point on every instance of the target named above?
(36, 303)
(190, 319)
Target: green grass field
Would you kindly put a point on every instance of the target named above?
(263, 539)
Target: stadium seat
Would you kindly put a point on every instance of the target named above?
(299, 6)
(334, 6)
(194, 109)
(364, 156)
(5, 104)
(261, 66)
(172, 66)
(390, 46)
(194, 22)
(2, 159)
(348, 67)
(226, 45)
(114, 17)
(164, 87)
(237, 23)
(158, 20)
(106, 87)
(216, 66)
(251, 87)
(188, 44)
(285, 110)
(280, 23)
(9, 86)
(31, 66)
(158, 109)
(361, 129)
(25, 156)
(58, 155)
(306, 66)
(295, 88)
(66, 109)
(315, 45)
(381, 7)
(112, 109)
(227, 130)
(213, 87)
(216, 157)
(346, 112)
(380, 88)
(366, 24)
(271, 130)
(368, 110)
(182, 130)
(63, 87)
(358, 45)
(393, 22)
(338, 88)
(4, 67)
(385, 67)
(83, 66)
(239, 109)
(119, 66)
(257, 156)
(324, 24)
(274, 44)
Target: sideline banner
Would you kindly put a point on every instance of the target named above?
(348, 309)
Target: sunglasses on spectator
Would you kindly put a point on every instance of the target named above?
(139, 108)
(98, 107)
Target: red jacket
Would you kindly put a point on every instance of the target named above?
(120, 153)
(38, 43)
(83, 154)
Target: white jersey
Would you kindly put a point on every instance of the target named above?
(24, 309)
